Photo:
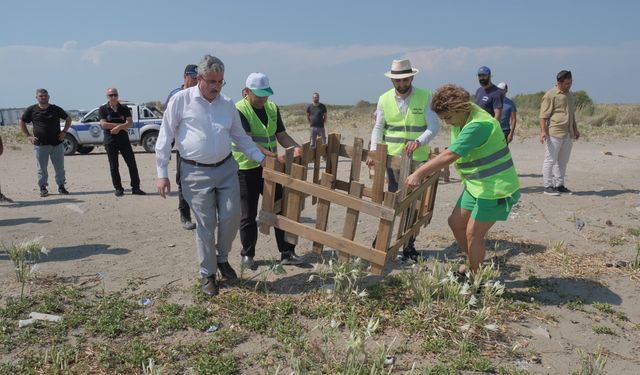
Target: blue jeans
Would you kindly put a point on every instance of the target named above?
(56, 153)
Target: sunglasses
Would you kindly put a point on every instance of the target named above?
(112, 95)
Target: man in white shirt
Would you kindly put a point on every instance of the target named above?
(405, 123)
(204, 123)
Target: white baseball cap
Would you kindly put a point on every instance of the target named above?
(258, 83)
(502, 85)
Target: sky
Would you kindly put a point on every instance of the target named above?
(341, 49)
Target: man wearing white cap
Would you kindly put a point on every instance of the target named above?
(508, 113)
(262, 121)
(203, 123)
(404, 122)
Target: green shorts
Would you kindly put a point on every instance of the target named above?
(487, 209)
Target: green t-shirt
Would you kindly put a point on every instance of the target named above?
(472, 135)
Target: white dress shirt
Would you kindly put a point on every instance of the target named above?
(403, 104)
(203, 130)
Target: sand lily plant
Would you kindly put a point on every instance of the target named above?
(24, 257)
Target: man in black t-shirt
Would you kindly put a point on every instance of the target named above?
(115, 120)
(317, 116)
(47, 139)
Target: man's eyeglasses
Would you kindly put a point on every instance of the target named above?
(214, 83)
(112, 95)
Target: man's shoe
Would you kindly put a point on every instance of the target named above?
(550, 190)
(137, 192)
(412, 254)
(563, 190)
(291, 260)
(248, 261)
(44, 192)
(119, 192)
(62, 190)
(209, 286)
(187, 224)
(226, 271)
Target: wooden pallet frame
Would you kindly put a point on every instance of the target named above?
(410, 209)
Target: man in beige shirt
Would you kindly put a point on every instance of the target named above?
(558, 129)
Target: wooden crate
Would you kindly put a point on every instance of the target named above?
(400, 215)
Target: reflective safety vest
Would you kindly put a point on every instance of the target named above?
(262, 135)
(487, 171)
(399, 129)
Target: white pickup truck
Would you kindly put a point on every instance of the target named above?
(85, 134)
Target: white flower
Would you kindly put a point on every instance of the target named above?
(465, 289)
(473, 301)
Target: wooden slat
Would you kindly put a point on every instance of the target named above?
(341, 185)
(317, 154)
(356, 159)
(369, 208)
(384, 233)
(322, 211)
(333, 148)
(405, 169)
(294, 201)
(351, 219)
(268, 193)
(328, 239)
(380, 168)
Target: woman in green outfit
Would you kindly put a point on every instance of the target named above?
(482, 158)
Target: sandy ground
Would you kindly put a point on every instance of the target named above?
(140, 237)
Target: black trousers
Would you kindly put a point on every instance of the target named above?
(183, 206)
(251, 184)
(122, 146)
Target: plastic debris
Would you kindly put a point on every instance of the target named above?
(213, 328)
(171, 245)
(389, 360)
(35, 316)
(522, 364)
(145, 302)
(579, 224)
(542, 332)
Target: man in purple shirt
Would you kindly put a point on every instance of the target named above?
(488, 96)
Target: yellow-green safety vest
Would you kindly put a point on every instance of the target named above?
(487, 171)
(262, 135)
(399, 129)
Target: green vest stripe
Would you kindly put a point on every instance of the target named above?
(412, 129)
(400, 129)
(485, 160)
(260, 134)
(489, 172)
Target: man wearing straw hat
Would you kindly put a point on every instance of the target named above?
(404, 122)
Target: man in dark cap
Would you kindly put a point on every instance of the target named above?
(488, 96)
(190, 73)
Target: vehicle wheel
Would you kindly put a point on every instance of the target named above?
(70, 145)
(149, 141)
(85, 149)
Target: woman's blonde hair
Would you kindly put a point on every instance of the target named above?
(450, 98)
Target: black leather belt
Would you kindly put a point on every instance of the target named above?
(204, 164)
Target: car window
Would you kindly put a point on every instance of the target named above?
(92, 116)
